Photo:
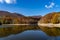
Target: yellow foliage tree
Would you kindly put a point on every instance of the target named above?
(55, 19)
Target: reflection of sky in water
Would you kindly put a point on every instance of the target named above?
(30, 35)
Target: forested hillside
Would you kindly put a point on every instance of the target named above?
(51, 18)
(16, 18)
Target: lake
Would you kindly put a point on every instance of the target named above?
(29, 32)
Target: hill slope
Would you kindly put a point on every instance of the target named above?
(5, 13)
(15, 18)
(51, 18)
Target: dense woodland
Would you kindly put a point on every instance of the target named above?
(51, 18)
(15, 18)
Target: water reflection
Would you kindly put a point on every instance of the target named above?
(29, 32)
(14, 29)
(28, 35)
(51, 31)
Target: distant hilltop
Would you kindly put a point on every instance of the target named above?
(53, 17)
(6, 13)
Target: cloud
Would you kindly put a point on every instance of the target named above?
(8, 1)
(52, 4)
(1, 1)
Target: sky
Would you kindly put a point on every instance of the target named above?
(30, 7)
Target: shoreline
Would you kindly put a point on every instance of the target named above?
(39, 24)
(49, 25)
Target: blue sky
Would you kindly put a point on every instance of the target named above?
(30, 7)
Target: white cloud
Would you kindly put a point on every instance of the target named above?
(8, 1)
(52, 4)
(1, 1)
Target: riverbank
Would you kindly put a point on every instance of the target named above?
(49, 25)
(39, 24)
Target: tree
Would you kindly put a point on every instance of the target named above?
(55, 19)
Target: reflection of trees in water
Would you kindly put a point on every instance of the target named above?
(16, 29)
(51, 31)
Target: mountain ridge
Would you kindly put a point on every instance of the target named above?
(17, 18)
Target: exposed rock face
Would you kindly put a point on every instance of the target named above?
(49, 18)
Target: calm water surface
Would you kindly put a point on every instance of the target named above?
(30, 35)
